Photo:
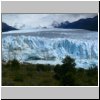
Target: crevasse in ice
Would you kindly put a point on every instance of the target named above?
(29, 48)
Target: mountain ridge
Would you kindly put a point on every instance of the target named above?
(88, 24)
(6, 27)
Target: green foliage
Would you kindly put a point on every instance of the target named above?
(8, 64)
(15, 65)
(68, 79)
(19, 77)
(65, 73)
(92, 70)
(69, 63)
(87, 77)
(41, 67)
(16, 74)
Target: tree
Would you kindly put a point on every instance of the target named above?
(92, 70)
(69, 63)
(65, 73)
(15, 65)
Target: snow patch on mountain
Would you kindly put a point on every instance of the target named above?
(31, 21)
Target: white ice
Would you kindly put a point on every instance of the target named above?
(50, 46)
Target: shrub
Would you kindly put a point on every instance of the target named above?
(41, 67)
(15, 65)
(92, 71)
(65, 73)
(19, 78)
(8, 65)
(69, 63)
(68, 79)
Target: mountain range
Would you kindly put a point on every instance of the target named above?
(88, 24)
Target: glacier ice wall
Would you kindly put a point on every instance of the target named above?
(30, 48)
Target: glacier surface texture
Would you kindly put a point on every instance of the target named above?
(50, 46)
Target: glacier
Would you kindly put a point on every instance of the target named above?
(50, 46)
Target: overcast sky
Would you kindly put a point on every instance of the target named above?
(36, 20)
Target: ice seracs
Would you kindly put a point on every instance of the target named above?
(37, 49)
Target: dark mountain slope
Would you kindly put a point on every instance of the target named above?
(6, 27)
(88, 24)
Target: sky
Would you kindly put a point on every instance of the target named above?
(24, 21)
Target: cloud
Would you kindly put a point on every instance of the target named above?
(36, 20)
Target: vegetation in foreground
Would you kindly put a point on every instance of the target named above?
(16, 74)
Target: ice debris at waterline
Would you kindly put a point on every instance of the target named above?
(50, 47)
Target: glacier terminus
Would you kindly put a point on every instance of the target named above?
(50, 46)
